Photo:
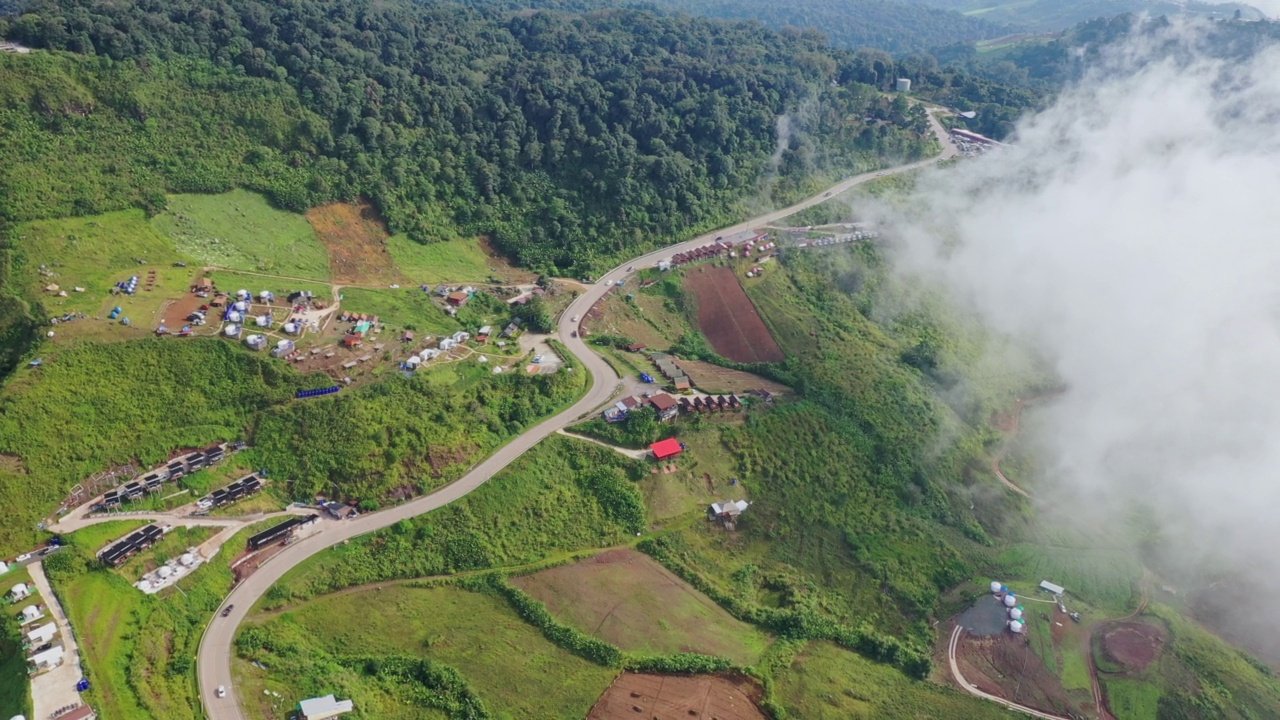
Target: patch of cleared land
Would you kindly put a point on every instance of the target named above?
(403, 308)
(715, 379)
(356, 239)
(826, 682)
(703, 476)
(451, 261)
(517, 672)
(628, 599)
(635, 695)
(240, 230)
(727, 318)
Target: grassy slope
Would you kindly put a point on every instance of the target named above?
(404, 308)
(517, 672)
(826, 682)
(240, 230)
(448, 261)
(93, 406)
(538, 507)
(95, 253)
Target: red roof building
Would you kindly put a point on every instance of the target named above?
(664, 449)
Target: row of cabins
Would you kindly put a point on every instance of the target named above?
(673, 372)
(710, 403)
(177, 468)
(136, 542)
(705, 252)
(238, 490)
(282, 532)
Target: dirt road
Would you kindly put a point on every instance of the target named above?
(214, 660)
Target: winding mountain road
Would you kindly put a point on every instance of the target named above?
(214, 660)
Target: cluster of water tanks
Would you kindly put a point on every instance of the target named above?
(1010, 601)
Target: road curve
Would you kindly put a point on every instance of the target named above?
(973, 689)
(214, 658)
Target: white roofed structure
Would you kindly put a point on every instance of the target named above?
(995, 586)
(1050, 587)
(50, 658)
(1016, 626)
(42, 634)
(324, 707)
(1010, 600)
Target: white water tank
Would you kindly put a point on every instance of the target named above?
(904, 85)
(1015, 613)
(1010, 600)
(995, 586)
(1015, 626)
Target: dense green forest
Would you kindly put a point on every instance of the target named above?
(1050, 15)
(564, 137)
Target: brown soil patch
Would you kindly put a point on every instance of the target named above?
(356, 239)
(1005, 666)
(1133, 645)
(715, 379)
(726, 316)
(635, 696)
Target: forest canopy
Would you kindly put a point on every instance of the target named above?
(566, 138)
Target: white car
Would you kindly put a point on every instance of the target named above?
(23, 557)
(573, 319)
(222, 691)
(537, 359)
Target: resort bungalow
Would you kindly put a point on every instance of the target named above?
(458, 299)
(668, 448)
(665, 405)
(47, 660)
(19, 592)
(42, 634)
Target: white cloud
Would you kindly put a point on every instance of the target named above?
(1132, 235)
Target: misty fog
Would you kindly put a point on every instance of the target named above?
(1131, 235)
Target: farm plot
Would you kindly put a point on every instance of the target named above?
(1006, 666)
(357, 242)
(726, 316)
(635, 695)
(1129, 647)
(715, 379)
(629, 600)
(514, 669)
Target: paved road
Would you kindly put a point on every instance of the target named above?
(214, 661)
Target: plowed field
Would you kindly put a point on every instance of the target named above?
(726, 316)
(634, 696)
(1133, 645)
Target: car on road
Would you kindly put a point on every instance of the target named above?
(573, 333)
(227, 610)
(573, 319)
(537, 359)
(222, 691)
(826, 194)
(632, 268)
(47, 550)
(23, 557)
(646, 377)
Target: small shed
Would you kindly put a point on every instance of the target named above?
(1051, 587)
(458, 299)
(42, 634)
(664, 449)
(322, 708)
(682, 383)
(48, 659)
(407, 336)
(203, 284)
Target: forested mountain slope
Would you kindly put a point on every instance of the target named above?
(1050, 15)
(562, 136)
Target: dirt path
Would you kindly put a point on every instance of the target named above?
(637, 454)
(1099, 699)
(1004, 449)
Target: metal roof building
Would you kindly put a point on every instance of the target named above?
(324, 707)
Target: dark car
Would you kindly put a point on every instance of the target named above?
(47, 550)
(46, 646)
(227, 610)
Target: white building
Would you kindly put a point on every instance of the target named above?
(42, 634)
(30, 613)
(322, 708)
(19, 592)
(48, 659)
(904, 85)
(1050, 587)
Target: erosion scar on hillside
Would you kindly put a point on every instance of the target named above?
(728, 318)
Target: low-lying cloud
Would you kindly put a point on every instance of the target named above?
(1131, 235)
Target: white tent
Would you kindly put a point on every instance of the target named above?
(995, 586)
(263, 320)
(187, 559)
(232, 330)
(1010, 600)
(1015, 613)
(242, 294)
(240, 306)
(30, 612)
(413, 361)
(1015, 626)
(234, 316)
(483, 359)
